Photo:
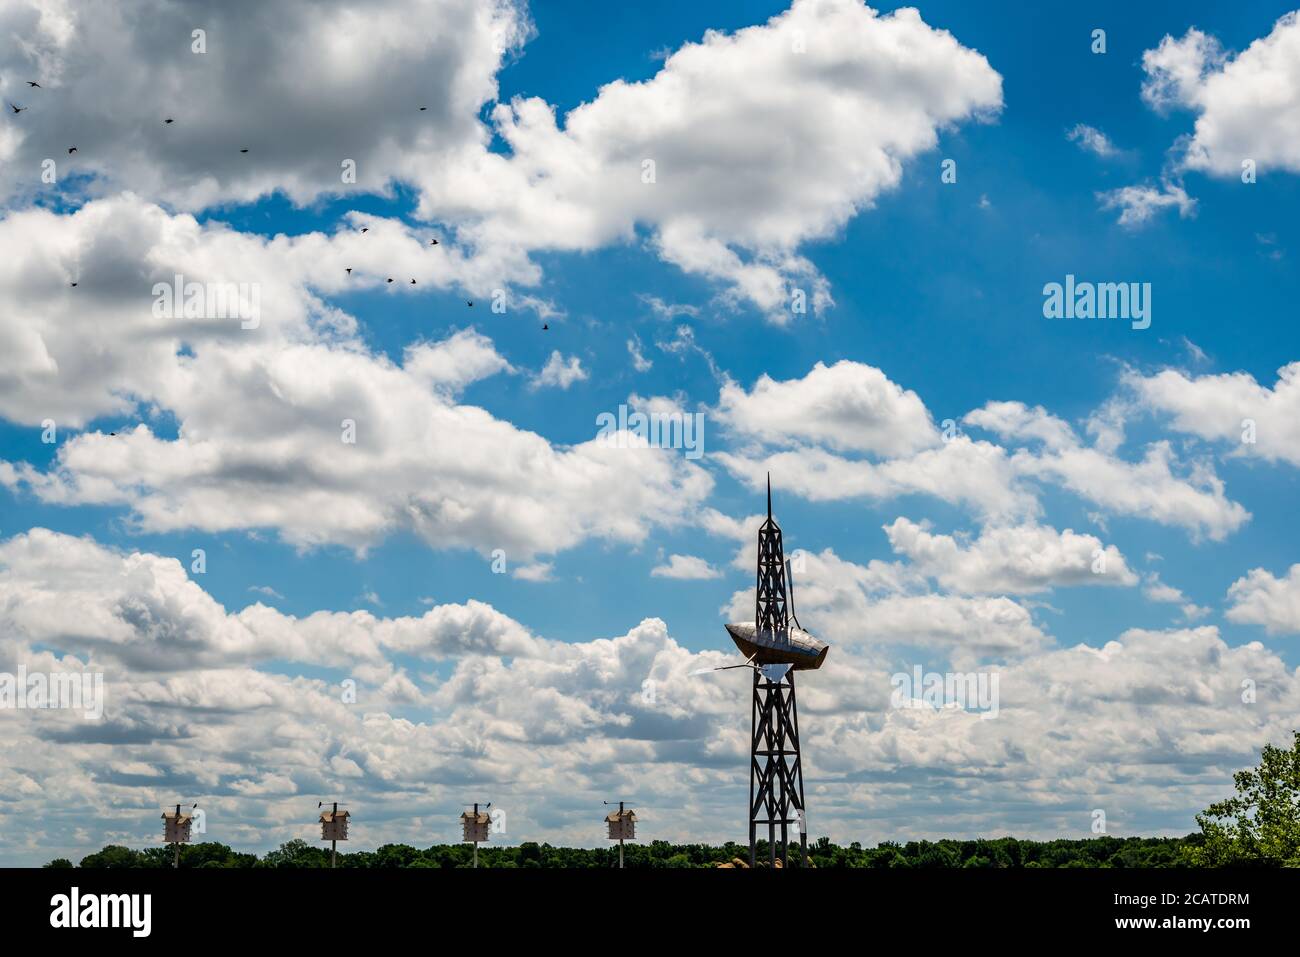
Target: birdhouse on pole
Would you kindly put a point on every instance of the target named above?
(176, 826)
(477, 826)
(334, 825)
(176, 830)
(333, 828)
(622, 827)
(622, 824)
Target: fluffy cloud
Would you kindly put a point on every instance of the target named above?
(143, 612)
(543, 725)
(847, 406)
(815, 112)
(1019, 559)
(74, 354)
(1092, 140)
(275, 79)
(882, 605)
(1261, 599)
(560, 372)
(726, 121)
(1247, 105)
(1159, 591)
(855, 407)
(852, 406)
(265, 415)
(462, 358)
(1149, 488)
(977, 475)
(1216, 407)
(1176, 70)
(1138, 204)
(1247, 109)
(685, 567)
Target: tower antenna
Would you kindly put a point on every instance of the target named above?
(775, 646)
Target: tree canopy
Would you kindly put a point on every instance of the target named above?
(1260, 825)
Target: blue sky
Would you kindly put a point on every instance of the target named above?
(939, 286)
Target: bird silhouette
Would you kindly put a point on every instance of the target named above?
(71, 150)
(470, 303)
(412, 282)
(423, 108)
(390, 278)
(243, 151)
(169, 120)
(33, 83)
(365, 229)
(16, 109)
(349, 269)
(545, 327)
(74, 284)
(433, 242)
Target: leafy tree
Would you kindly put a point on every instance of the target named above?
(113, 856)
(1261, 824)
(399, 855)
(296, 853)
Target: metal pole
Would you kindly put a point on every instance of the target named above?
(785, 774)
(334, 843)
(803, 821)
(176, 860)
(770, 737)
(753, 725)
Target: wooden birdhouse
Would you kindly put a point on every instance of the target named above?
(622, 825)
(477, 826)
(334, 825)
(176, 827)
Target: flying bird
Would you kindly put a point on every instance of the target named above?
(169, 120)
(349, 269)
(545, 327)
(74, 283)
(243, 151)
(412, 282)
(470, 303)
(16, 109)
(423, 108)
(433, 242)
(71, 150)
(33, 83)
(390, 278)
(365, 229)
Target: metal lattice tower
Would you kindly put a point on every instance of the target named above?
(771, 606)
(775, 770)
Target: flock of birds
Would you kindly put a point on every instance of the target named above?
(169, 120)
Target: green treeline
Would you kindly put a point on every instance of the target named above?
(1001, 852)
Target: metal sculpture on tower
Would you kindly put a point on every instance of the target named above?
(775, 646)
